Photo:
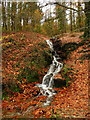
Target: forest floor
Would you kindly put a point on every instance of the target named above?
(69, 102)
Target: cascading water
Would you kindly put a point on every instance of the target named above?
(46, 88)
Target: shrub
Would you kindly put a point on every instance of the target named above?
(28, 74)
(66, 72)
(34, 63)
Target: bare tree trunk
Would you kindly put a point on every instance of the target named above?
(4, 16)
(79, 16)
(74, 24)
(8, 16)
(13, 16)
(71, 22)
(87, 24)
(19, 16)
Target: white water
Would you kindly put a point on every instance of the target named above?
(46, 88)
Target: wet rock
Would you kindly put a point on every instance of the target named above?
(59, 83)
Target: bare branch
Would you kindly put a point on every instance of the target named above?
(57, 3)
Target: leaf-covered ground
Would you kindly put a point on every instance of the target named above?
(69, 102)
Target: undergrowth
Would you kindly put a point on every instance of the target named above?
(29, 64)
(66, 72)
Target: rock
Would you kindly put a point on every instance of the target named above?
(59, 83)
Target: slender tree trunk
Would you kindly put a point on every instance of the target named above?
(8, 16)
(79, 16)
(71, 22)
(19, 15)
(74, 24)
(25, 15)
(87, 24)
(4, 16)
(64, 19)
(13, 16)
(73, 17)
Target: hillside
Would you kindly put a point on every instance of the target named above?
(26, 59)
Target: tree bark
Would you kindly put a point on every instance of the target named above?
(13, 16)
(79, 16)
(4, 16)
(71, 22)
(87, 24)
(19, 16)
(8, 16)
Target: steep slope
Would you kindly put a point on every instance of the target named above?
(69, 102)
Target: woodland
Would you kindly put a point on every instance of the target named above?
(26, 58)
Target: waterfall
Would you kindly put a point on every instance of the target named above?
(46, 88)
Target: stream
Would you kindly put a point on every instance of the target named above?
(46, 88)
